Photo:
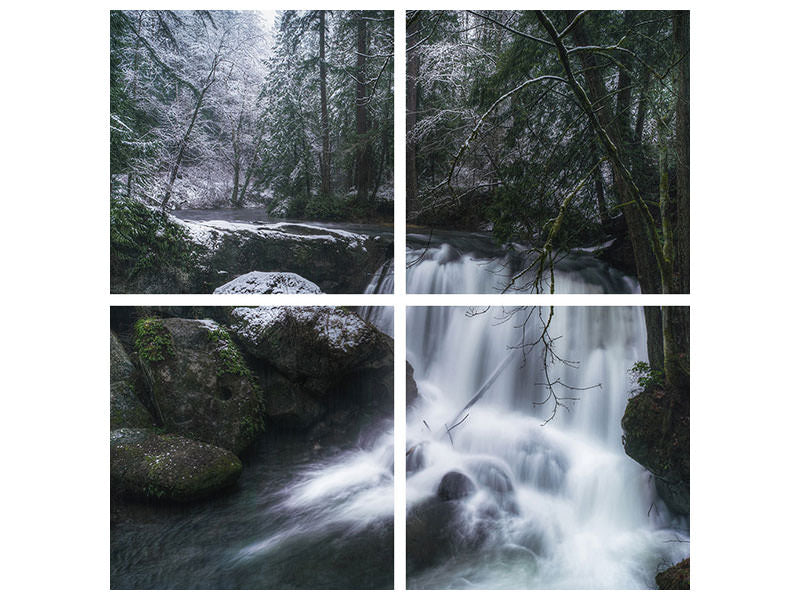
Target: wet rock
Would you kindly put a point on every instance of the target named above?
(411, 385)
(455, 486)
(147, 465)
(493, 477)
(415, 458)
(125, 409)
(199, 384)
(437, 530)
(674, 578)
(258, 282)
(432, 533)
(656, 435)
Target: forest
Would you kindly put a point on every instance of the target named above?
(555, 130)
(291, 111)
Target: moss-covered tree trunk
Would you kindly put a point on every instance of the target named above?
(647, 269)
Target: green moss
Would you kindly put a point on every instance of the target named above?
(146, 240)
(251, 427)
(674, 578)
(152, 340)
(229, 359)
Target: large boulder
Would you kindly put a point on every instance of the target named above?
(656, 435)
(316, 345)
(437, 530)
(455, 486)
(337, 261)
(200, 385)
(288, 405)
(258, 282)
(147, 465)
(125, 409)
(432, 533)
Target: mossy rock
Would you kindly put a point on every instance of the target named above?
(656, 435)
(200, 385)
(125, 408)
(674, 578)
(170, 467)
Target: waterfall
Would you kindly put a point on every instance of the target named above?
(556, 504)
(466, 265)
(382, 283)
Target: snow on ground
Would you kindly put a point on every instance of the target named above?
(209, 233)
(260, 282)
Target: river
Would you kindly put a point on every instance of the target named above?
(559, 505)
(305, 514)
(454, 262)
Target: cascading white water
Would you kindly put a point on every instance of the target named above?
(461, 268)
(558, 505)
(382, 283)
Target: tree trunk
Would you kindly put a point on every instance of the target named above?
(325, 161)
(182, 147)
(412, 73)
(385, 133)
(602, 207)
(623, 120)
(681, 230)
(641, 109)
(362, 126)
(647, 268)
(676, 326)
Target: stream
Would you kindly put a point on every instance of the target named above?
(303, 515)
(456, 262)
(557, 505)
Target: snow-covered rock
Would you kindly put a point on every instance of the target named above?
(202, 255)
(336, 260)
(259, 282)
(318, 345)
